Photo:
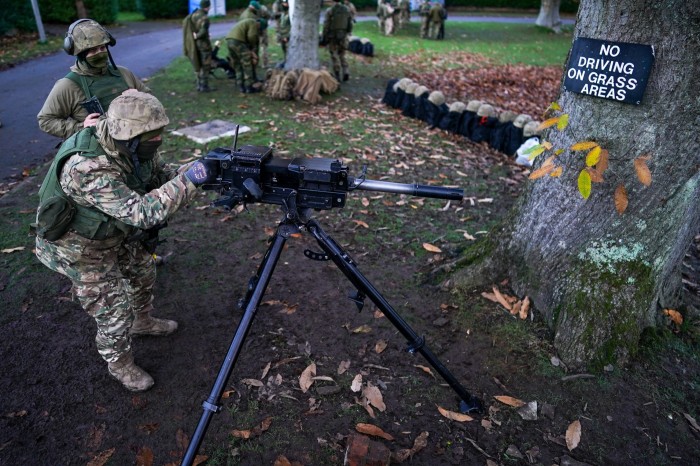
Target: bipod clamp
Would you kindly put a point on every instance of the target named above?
(358, 298)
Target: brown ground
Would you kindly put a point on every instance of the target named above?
(60, 407)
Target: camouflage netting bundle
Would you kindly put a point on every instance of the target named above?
(305, 84)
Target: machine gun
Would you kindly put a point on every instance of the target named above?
(251, 174)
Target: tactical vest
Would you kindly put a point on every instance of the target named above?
(58, 213)
(106, 87)
(340, 18)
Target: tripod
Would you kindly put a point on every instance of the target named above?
(332, 251)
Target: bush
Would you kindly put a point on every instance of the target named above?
(63, 11)
(567, 6)
(153, 9)
(16, 15)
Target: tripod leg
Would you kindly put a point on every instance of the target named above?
(252, 301)
(469, 403)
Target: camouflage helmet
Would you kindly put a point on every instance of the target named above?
(134, 113)
(85, 34)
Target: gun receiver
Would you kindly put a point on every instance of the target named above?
(252, 174)
(93, 105)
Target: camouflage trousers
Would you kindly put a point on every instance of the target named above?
(241, 57)
(206, 63)
(435, 29)
(424, 26)
(338, 60)
(112, 280)
(264, 44)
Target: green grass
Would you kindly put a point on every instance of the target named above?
(130, 16)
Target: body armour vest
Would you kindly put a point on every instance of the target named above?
(105, 87)
(62, 214)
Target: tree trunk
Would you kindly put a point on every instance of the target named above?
(549, 15)
(599, 278)
(80, 9)
(303, 40)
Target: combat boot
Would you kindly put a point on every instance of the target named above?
(144, 324)
(129, 374)
(252, 90)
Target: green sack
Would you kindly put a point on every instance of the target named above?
(54, 218)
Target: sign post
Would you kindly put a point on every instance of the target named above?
(609, 70)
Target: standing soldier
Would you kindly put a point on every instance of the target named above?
(92, 75)
(104, 186)
(256, 10)
(284, 27)
(351, 8)
(243, 42)
(197, 45)
(337, 25)
(437, 21)
(404, 12)
(424, 13)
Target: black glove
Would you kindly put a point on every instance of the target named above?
(203, 171)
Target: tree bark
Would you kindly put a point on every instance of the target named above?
(549, 15)
(599, 278)
(303, 40)
(80, 9)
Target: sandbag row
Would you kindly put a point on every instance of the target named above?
(476, 120)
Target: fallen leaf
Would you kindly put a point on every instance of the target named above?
(102, 458)
(380, 346)
(501, 299)
(343, 366)
(374, 396)
(429, 247)
(362, 329)
(356, 385)
(620, 199)
(11, 250)
(674, 315)
(643, 173)
(371, 429)
(418, 444)
(459, 417)
(693, 423)
(255, 431)
(253, 382)
(306, 378)
(361, 223)
(573, 435)
(425, 369)
(144, 457)
(510, 401)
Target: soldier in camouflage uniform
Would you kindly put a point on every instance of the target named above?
(110, 177)
(91, 75)
(284, 27)
(256, 10)
(243, 41)
(424, 13)
(437, 17)
(337, 25)
(196, 29)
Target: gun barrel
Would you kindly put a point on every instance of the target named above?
(437, 192)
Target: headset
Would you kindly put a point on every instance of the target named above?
(69, 43)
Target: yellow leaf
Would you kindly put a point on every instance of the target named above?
(573, 435)
(510, 401)
(554, 106)
(558, 151)
(361, 223)
(547, 145)
(459, 417)
(563, 122)
(620, 199)
(584, 183)
(584, 145)
(380, 346)
(674, 315)
(643, 173)
(431, 248)
(362, 329)
(593, 156)
(501, 299)
(534, 151)
(556, 173)
(547, 123)
(371, 429)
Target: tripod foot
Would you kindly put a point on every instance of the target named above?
(472, 406)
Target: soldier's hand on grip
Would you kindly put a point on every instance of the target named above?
(203, 172)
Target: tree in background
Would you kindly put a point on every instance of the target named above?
(303, 41)
(601, 261)
(549, 15)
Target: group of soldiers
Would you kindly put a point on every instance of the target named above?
(393, 15)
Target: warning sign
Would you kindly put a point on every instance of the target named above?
(609, 70)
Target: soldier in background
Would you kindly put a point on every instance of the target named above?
(337, 25)
(284, 27)
(404, 12)
(243, 42)
(111, 180)
(351, 8)
(437, 14)
(424, 13)
(197, 44)
(92, 74)
(257, 10)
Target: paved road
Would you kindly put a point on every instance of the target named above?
(145, 48)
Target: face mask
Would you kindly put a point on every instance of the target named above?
(148, 149)
(99, 60)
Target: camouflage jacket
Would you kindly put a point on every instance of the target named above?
(200, 26)
(246, 31)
